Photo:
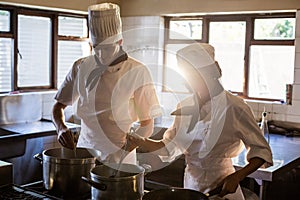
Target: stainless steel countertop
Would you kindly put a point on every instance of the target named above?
(30, 130)
(286, 156)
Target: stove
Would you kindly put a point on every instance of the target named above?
(37, 191)
(34, 191)
(39, 188)
(14, 192)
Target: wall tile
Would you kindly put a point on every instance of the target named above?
(253, 105)
(298, 24)
(297, 76)
(48, 96)
(297, 43)
(257, 115)
(297, 60)
(278, 116)
(293, 118)
(265, 106)
(279, 108)
(294, 109)
(47, 108)
(296, 92)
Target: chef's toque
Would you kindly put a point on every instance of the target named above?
(202, 57)
(105, 23)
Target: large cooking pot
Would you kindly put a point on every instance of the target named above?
(128, 185)
(63, 169)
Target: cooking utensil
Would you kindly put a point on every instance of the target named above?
(123, 154)
(128, 185)
(62, 169)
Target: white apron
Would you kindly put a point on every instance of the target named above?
(92, 133)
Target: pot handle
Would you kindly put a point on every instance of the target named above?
(38, 157)
(100, 186)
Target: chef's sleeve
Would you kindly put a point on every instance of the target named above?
(251, 135)
(174, 150)
(66, 93)
(145, 98)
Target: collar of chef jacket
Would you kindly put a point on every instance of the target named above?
(93, 77)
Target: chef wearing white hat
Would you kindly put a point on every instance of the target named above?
(211, 127)
(108, 91)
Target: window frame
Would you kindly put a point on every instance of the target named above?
(249, 39)
(13, 34)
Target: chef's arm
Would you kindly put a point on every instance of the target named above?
(58, 116)
(231, 182)
(65, 136)
(146, 128)
(149, 145)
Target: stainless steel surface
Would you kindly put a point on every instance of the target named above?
(62, 170)
(6, 173)
(10, 149)
(129, 185)
(286, 156)
(13, 136)
(20, 108)
(25, 168)
(32, 129)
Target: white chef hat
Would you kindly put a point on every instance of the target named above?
(105, 23)
(202, 57)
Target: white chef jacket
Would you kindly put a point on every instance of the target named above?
(123, 94)
(226, 123)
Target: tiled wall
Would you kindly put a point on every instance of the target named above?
(48, 102)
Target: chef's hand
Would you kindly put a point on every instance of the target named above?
(135, 140)
(230, 184)
(66, 138)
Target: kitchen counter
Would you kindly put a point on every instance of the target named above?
(286, 156)
(30, 130)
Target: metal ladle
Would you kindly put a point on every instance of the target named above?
(116, 173)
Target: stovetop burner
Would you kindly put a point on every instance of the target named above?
(13, 192)
(39, 187)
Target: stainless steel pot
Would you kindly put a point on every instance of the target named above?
(63, 169)
(128, 185)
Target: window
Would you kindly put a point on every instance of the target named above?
(228, 39)
(271, 68)
(72, 44)
(34, 47)
(38, 47)
(5, 64)
(271, 57)
(181, 32)
(256, 49)
(5, 52)
(274, 29)
(186, 28)
(4, 21)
